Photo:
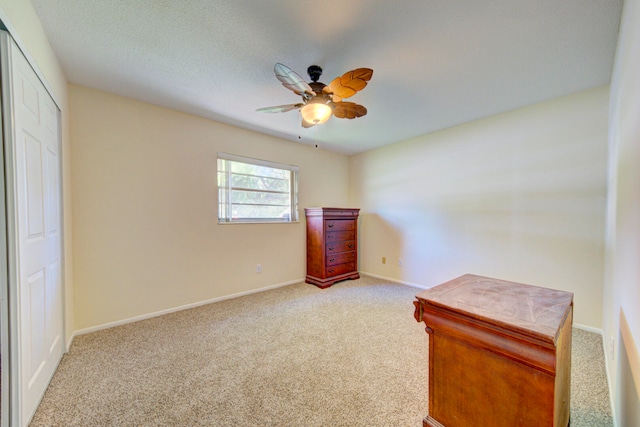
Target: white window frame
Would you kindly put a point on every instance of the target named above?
(225, 207)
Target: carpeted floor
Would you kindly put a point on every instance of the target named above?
(350, 355)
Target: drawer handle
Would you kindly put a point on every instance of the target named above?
(331, 259)
(350, 245)
(331, 248)
(331, 270)
(330, 225)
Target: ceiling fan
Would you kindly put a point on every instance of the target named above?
(320, 101)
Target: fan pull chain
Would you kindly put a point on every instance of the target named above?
(316, 132)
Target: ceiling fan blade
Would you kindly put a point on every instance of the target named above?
(292, 80)
(306, 124)
(349, 83)
(279, 108)
(348, 110)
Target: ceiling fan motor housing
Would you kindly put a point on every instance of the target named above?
(314, 72)
(317, 87)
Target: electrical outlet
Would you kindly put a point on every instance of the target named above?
(384, 259)
(258, 268)
(400, 262)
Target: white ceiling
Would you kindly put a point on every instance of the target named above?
(436, 63)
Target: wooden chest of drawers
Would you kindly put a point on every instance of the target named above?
(332, 245)
(499, 353)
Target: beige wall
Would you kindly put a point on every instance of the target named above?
(25, 27)
(145, 212)
(518, 196)
(622, 284)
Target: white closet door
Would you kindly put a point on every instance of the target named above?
(33, 175)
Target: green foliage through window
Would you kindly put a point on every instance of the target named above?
(252, 190)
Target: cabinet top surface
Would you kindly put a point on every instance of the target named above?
(340, 212)
(530, 309)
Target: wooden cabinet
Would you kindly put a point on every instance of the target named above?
(332, 245)
(499, 353)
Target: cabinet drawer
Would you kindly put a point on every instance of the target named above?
(336, 270)
(339, 224)
(340, 236)
(341, 258)
(335, 247)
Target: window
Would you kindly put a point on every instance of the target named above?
(252, 190)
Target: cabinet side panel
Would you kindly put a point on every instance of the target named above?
(355, 229)
(563, 374)
(472, 386)
(315, 246)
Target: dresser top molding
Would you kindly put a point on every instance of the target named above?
(332, 212)
(526, 309)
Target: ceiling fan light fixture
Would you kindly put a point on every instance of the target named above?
(316, 112)
(321, 101)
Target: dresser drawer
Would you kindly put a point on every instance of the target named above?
(336, 270)
(335, 247)
(341, 258)
(339, 224)
(340, 236)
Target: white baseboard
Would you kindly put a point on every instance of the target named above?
(240, 294)
(609, 381)
(174, 309)
(413, 285)
(587, 328)
(70, 341)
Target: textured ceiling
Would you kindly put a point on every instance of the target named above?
(436, 63)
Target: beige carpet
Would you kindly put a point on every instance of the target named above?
(349, 355)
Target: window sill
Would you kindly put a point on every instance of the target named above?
(258, 222)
